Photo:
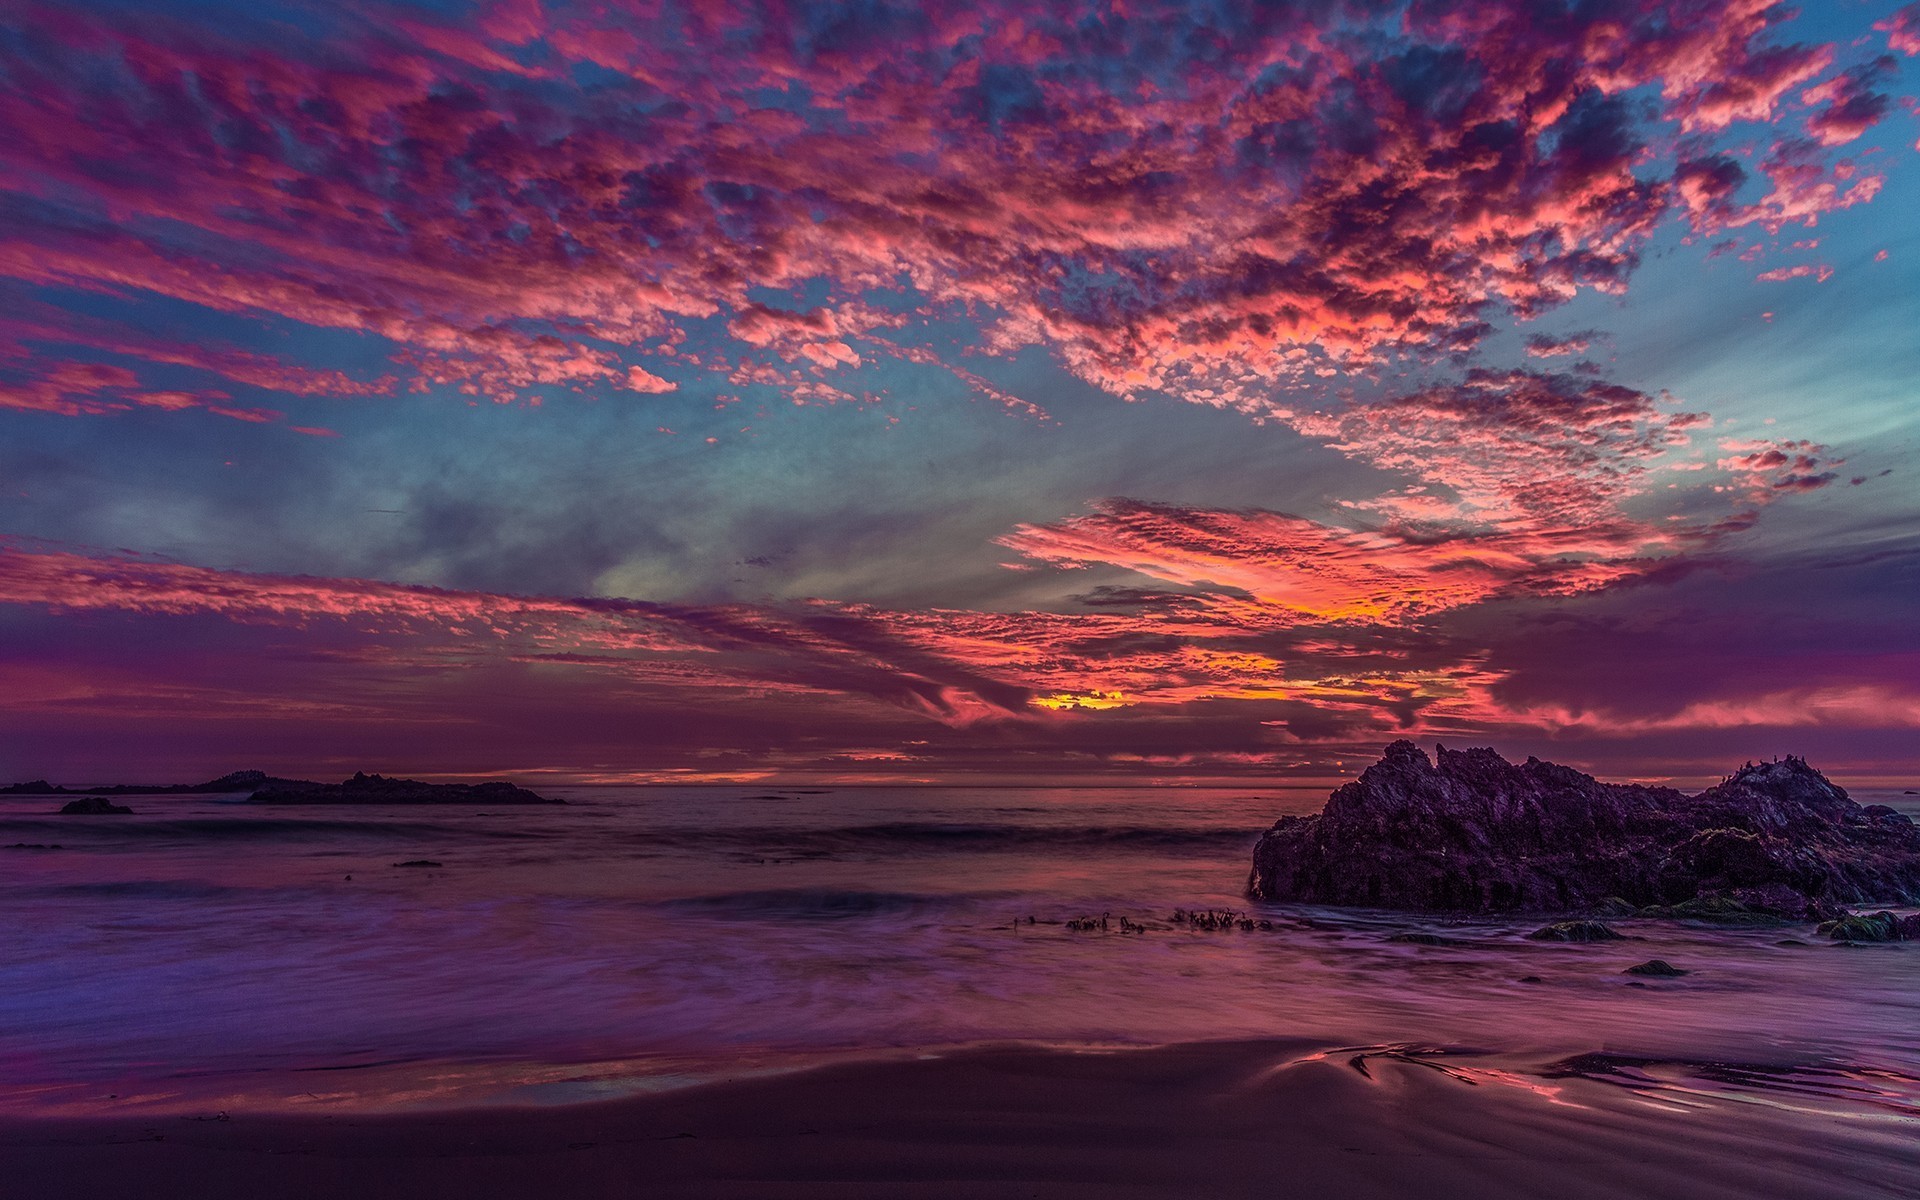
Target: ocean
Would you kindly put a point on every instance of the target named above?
(205, 953)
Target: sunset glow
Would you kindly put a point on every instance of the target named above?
(956, 391)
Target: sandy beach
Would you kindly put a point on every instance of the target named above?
(1209, 1119)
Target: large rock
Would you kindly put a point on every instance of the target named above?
(378, 789)
(1473, 832)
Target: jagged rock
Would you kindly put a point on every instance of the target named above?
(1470, 831)
(378, 789)
(415, 862)
(94, 806)
(1658, 968)
(1575, 931)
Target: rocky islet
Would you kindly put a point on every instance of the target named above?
(1470, 832)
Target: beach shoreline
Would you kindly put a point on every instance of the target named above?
(1266, 1118)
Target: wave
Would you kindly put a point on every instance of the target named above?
(951, 836)
(95, 830)
(752, 842)
(806, 904)
(1880, 1087)
(137, 889)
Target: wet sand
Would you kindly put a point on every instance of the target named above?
(1268, 1119)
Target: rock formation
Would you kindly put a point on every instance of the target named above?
(94, 806)
(1472, 832)
(378, 789)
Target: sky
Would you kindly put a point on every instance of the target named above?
(620, 391)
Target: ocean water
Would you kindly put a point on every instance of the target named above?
(204, 951)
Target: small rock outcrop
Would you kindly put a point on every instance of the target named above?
(94, 806)
(378, 789)
(1471, 832)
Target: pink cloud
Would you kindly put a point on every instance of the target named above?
(1542, 345)
(1764, 466)
(1850, 103)
(48, 363)
(447, 187)
(1818, 272)
(68, 389)
(1510, 446)
(32, 323)
(639, 379)
(1903, 29)
(1860, 706)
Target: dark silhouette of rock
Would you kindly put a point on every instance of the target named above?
(414, 862)
(1658, 968)
(1470, 831)
(233, 781)
(242, 781)
(1575, 931)
(94, 806)
(378, 789)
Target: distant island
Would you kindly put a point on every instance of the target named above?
(362, 788)
(235, 781)
(1472, 832)
(378, 789)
